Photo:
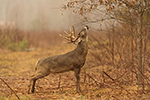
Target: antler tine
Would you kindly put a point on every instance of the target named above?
(65, 37)
(67, 33)
(73, 33)
(70, 35)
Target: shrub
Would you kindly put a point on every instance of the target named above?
(8, 43)
(23, 44)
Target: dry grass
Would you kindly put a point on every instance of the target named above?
(45, 39)
(20, 40)
(17, 67)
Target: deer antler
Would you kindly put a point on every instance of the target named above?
(70, 36)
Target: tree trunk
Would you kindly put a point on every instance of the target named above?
(139, 51)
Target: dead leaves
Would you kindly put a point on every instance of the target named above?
(48, 87)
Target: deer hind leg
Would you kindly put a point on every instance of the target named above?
(33, 80)
(77, 75)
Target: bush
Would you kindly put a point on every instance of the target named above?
(8, 43)
(23, 44)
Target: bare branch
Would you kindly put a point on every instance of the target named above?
(11, 89)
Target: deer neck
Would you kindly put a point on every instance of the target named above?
(82, 48)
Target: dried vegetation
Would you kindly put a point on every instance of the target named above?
(109, 73)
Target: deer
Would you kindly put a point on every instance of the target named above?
(70, 61)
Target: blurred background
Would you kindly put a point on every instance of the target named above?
(33, 23)
(119, 37)
(36, 14)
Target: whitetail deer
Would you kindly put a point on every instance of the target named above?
(71, 61)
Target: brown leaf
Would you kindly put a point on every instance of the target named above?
(108, 8)
(96, 5)
(85, 18)
(91, 1)
(89, 10)
(100, 1)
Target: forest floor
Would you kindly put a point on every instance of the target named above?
(17, 67)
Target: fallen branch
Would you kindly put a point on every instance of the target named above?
(116, 82)
(11, 89)
(108, 76)
(97, 83)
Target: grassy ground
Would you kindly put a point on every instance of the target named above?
(16, 68)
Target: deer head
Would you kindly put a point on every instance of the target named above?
(81, 36)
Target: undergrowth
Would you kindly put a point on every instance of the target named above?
(8, 43)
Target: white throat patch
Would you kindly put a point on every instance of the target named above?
(87, 38)
(77, 41)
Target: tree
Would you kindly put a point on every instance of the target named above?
(138, 7)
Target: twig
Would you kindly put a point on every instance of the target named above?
(108, 76)
(11, 89)
(59, 80)
(115, 82)
(97, 83)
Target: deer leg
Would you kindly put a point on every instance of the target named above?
(33, 81)
(77, 75)
(33, 85)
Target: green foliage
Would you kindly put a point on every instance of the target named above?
(11, 46)
(8, 43)
(23, 44)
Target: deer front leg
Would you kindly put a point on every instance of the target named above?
(77, 75)
(31, 86)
